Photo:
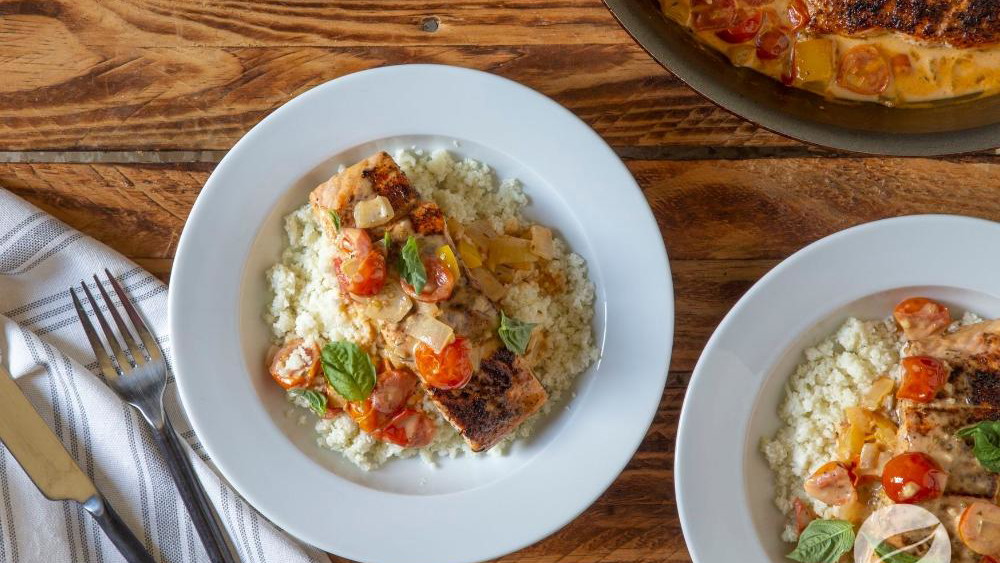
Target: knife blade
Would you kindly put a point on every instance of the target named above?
(47, 463)
(37, 448)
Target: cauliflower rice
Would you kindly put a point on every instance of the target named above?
(307, 304)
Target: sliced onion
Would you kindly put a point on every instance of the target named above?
(509, 250)
(391, 305)
(431, 332)
(373, 212)
(487, 283)
(541, 242)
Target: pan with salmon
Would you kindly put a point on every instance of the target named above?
(417, 311)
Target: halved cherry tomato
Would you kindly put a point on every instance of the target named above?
(923, 377)
(367, 280)
(832, 484)
(440, 282)
(393, 388)
(863, 70)
(979, 528)
(798, 14)
(367, 418)
(355, 242)
(804, 514)
(713, 14)
(368, 271)
(744, 30)
(772, 44)
(901, 65)
(913, 477)
(920, 317)
(988, 559)
(451, 369)
(410, 429)
(304, 369)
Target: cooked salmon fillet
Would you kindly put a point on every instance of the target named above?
(503, 391)
(377, 175)
(959, 23)
(498, 398)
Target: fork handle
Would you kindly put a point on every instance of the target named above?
(117, 531)
(206, 523)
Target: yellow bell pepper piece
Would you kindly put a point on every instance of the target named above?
(814, 60)
(470, 254)
(446, 255)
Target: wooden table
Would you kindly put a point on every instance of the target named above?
(113, 114)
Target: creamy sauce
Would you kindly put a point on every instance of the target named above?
(894, 69)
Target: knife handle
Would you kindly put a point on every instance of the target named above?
(117, 531)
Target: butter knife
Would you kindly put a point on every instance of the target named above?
(50, 467)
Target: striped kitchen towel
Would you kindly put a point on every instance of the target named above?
(43, 346)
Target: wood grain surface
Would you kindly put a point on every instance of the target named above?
(113, 113)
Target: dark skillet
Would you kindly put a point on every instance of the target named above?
(943, 128)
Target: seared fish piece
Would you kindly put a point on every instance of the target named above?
(377, 175)
(498, 398)
(973, 355)
(959, 23)
(931, 429)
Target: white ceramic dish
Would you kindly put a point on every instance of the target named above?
(467, 509)
(724, 485)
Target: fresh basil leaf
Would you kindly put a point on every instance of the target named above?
(316, 400)
(349, 370)
(889, 554)
(824, 541)
(986, 443)
(336, 220)
(515, 334)
(411, 268)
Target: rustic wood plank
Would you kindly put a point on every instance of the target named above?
(106, 24)
(196, 98)
(767, 209)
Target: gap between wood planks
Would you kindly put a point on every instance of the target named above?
(677, 152)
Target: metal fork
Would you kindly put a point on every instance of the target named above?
(138, 373)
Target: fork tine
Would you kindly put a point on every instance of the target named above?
(152, 348)
(116, 348)
(103, 360)
(133, 347)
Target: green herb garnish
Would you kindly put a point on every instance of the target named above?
(336, 220)
(411, 268)
(824, 541)
(349, 370)
(316, 400)
(515, 334)
(889, 554)
(986, 443)
(386, 241)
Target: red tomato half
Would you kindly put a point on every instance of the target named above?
(440, 282)
(772, 44)
(368, 280)
(744, 30)
(393, 388)
(451, 369)
(864, 70)
(713, 14)
(913, 477)
(410, 429)
(923, 377)
(299, 375)
(920, 317)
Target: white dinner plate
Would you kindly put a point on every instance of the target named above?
(724, 486)
(468, 508)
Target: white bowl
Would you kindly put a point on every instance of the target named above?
(468, 508)
(724, 485)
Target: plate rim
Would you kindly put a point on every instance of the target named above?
(699, 375)
(179, 278)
